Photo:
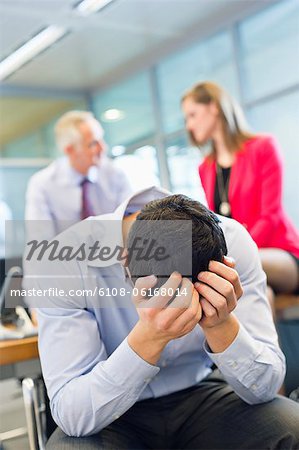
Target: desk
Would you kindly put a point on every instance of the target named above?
(19, 358)
(17, 350)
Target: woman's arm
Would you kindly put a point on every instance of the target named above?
(270, 165)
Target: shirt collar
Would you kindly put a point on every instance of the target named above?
(68, 175)
(110, 233)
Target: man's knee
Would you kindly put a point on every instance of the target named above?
(60, 441)
(281, 420)
(109, 438)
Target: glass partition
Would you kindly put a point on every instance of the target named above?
(280, 117)
(183, 161)
(269, 49)
(211, 59)
(126, 111)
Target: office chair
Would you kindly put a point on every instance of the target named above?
(40, 423)
(35, 411)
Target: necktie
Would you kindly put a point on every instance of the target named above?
(86, 209)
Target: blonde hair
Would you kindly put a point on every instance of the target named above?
(234, 125)
(66, 128)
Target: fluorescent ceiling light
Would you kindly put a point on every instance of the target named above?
(113, 115)
(91, 6)
(30, 49)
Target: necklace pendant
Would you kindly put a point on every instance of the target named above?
(224, 209)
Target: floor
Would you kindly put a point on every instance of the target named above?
(12, 414)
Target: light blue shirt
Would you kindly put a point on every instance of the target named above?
(54, 194)
(92, 374)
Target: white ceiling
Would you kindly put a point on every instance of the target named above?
(122, 38)
(125, 36)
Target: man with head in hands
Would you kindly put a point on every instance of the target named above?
(125, 374)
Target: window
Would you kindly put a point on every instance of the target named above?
(269, 43)
(280, 117)
(211, 59)
(13, 185)
(125, 111)
(140, 166)
(183, 162)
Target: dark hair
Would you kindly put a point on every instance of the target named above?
(205, 241)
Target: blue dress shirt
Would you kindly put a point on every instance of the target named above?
(54, 194)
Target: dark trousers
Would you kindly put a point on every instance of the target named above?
(209, 416)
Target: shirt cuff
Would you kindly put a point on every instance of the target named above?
(129, 369)
(237, 359)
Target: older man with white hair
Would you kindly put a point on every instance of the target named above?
(83, 183)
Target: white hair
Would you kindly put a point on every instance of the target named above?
(66, 129)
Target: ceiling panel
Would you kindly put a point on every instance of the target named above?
(80, 59)
(14, 32)
(162, 17)
(123, 33)
(20, 20)
(126, 36)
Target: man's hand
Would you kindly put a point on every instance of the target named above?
(160, 322)
(219, 290)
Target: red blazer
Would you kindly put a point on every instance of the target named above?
(255, 194)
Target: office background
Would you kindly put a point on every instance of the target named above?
(130, 63)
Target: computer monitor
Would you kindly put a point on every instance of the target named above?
(10, 278)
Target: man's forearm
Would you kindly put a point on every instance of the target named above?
(220, 337)
(145, 345)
